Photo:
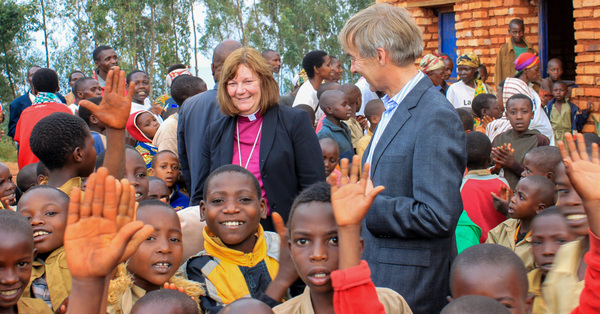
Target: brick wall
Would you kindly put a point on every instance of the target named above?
(482, 28)
(587, 34)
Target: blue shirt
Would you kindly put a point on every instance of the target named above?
(340, 134)
(390, 105)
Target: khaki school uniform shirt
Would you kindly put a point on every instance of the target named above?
(127, 301)
(30, 305)
(535, 286)
(57, 274)
(391, 300)
(562, 286)
(356, 131)
(505, 61)
(504, 234)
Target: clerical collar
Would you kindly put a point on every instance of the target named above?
(252, 116)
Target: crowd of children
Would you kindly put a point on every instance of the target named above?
(99, 217)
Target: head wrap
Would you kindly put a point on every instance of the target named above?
(431, 63)
(469, 59)
(175, 73)
(525, 61)
(134, 130)
(300, 78)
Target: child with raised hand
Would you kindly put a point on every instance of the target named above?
(165, 165)
(584, 174)
(549, 230)
(532, 195)
(142, 126)
(45, 208)
(16, 256)
(7, 188)
(326, 247)
(564, 116)
(101, 233)
(493, 271)
(154, 263)
(510, 147)
(239, 258)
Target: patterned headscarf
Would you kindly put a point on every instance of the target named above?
(300, 78)
(525, 61)
(175, 73)
(431, 63)
(469, 59)
(43, 97)
(472, 60)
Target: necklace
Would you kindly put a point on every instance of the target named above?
(237, 128)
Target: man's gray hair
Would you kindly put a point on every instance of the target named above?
(382, 25)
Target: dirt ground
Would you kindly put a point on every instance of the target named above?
(14, 168)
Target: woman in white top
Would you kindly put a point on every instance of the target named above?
(317, 65)
(461, 93)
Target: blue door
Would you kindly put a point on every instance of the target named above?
(447, 38)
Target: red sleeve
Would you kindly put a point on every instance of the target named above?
(589, 300)
(354, 292)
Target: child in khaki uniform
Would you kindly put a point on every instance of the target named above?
(532, 195)
(549, 230)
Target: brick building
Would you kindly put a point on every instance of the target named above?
(564, 29)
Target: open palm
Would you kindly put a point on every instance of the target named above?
(583, 173)
(94, 242)
(352, 199)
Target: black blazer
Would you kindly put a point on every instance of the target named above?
(290, 155)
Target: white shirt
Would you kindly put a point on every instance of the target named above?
(366, 94)
(307, 95)
(461, 95)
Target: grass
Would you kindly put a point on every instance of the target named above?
(8, 150)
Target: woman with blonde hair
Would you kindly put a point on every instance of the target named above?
(276, 143)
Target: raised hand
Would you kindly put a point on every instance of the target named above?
(486, 120)
(94, 243)
(287, 274)
(351, 200)
(115, 107)
(502, 199)
(583, 173)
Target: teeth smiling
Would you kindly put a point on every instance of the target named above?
(9, 292)
(232, 223)
(576, 217)
(163, 264)
(138, 194)
(320, 275)
(40, 233)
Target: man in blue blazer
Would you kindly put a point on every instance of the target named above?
(417, 152)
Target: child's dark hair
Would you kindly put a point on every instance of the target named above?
(176, 67)
(14, 223)
(482, 101)
(27, 177)
(153, 202)
(98, 50)
(519, 96)
(546, 157)
(326, 99)
(493, 255)
(517, 22)
(325, 87)
(45, 80)
(318, 192)
(84, 113)
(166, 297)
(236, 169)
(560, 82)
(546, 189)
(309, 110)
(313, 59)
(60, 193)
(78, 84)
(475, 304)
(56, 136)
(466, 118)
(184, 87)
(41, 169)
(162, 152)
(552, 210)
(372, 106)
(128, 78)
(479, 149)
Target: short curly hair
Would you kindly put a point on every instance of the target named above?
(45, 81)
(56, 136)
(313, 59)
(318, 192)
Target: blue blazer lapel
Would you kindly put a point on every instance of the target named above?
(267, 137)
(401, 115)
